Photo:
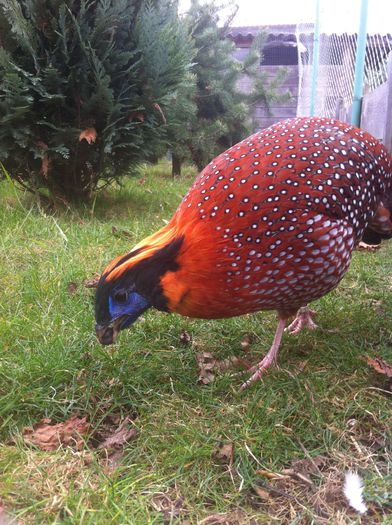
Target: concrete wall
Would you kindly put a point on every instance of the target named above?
(376, 114)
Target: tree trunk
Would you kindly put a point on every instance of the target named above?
(176, 166)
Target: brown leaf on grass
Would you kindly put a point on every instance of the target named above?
(92, 282)
(380, 366)
(261, 492)
(185, 337)
(120, 233)
(245, 343)
(121, 436)
(208, 366)
(170, 508)
(142, 181)
(224, 452)
(236, 517)
(48, 436)
(270, 475)
(310, 465)
(298, 475)
(71, 288)
(89, 134)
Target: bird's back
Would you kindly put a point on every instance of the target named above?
(271, 222)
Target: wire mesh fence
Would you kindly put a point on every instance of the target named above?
(332, 81)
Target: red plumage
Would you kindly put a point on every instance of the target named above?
(271, 223)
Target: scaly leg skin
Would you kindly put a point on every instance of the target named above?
(258, 370)
(304, 318)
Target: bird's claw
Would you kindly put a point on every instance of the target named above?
(304, 319)
(258, 370)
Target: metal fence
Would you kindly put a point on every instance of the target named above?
(343, 55)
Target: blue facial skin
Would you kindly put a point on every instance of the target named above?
(132, 308)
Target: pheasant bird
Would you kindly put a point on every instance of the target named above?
(270, 224)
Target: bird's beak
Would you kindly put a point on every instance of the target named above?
(107, 334)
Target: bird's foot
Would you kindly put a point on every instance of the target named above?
(258, 370)
(304, 319)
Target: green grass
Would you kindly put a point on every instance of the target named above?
(51, 365)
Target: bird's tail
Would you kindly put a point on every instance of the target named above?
(380, 227)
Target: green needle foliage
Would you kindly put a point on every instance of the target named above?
(104, 67)
(216, 113)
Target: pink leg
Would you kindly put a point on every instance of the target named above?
(304, 318)
(260, 368)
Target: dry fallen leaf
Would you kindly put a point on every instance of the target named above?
(92, 282)
(245, 343)
(236, 517)
(169, 507)
(380, 366)
(224, 452)
(270, 475)
(185, 337)
(48, 436)
(208, 366)
(261, 492)
(71, 288)
(122, 435)
(89, 134)
(120, 233)
(298, 475)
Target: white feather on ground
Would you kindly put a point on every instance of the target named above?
(353, 489)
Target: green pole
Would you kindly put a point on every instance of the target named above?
(315, 64)
(359, 66)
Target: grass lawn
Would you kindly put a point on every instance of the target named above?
(204, 454)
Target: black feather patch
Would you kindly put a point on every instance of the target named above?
(143, 277)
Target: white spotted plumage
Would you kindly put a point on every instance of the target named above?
(285, 208)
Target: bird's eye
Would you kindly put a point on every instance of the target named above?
(121, 297)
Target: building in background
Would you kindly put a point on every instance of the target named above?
(280, 51)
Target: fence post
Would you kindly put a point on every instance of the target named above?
(388, 116)
(359, 66)
(315, 64)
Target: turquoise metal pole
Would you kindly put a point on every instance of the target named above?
(359, 66)
(315, 64)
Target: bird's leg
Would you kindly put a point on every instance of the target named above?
(304, 318)
(258, 370)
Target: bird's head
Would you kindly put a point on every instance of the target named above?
(132, 283)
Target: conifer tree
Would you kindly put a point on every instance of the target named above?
(218, 114)
(84, 86)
